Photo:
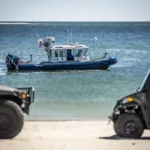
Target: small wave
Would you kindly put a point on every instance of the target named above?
(2, 73)
(114, 49)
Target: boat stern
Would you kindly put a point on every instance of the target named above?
(12, 62)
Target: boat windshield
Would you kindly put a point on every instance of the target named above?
(85, 51)
(79, 52)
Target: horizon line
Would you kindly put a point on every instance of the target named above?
(64, 21)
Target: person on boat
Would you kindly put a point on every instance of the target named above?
(49, 54)
(47, 44)
(48, 51)
(49, 41)
(69, 55)
(105, 55)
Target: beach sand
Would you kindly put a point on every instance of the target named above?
(72, 135)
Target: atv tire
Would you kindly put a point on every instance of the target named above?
(11, 119)
(129, 126)
(116, 129)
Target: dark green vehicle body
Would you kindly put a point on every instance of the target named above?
(136, 104)
(14, 94)
(14, 102)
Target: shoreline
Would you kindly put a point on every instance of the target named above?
(56, 119)
(65, 120)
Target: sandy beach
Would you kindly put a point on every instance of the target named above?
(72, 135)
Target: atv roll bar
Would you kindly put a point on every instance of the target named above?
(144, 81)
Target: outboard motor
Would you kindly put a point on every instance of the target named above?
(12, 62)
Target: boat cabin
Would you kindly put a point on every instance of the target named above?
(62, 53)
(67, 53)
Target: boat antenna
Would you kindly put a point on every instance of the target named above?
(71, 36)
(38, 48)
(38, 35)
(68, 36)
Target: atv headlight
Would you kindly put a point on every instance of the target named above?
(23, 95)
(127, 100)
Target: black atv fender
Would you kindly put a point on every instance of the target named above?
(13, 98)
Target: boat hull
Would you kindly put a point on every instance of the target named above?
(54, 66)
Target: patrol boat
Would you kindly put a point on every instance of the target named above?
(60, 57)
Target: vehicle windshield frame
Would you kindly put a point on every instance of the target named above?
(144, 81)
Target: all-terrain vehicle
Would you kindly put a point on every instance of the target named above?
(14, 102)
(131, 114)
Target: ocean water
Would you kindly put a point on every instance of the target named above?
(78, 95)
